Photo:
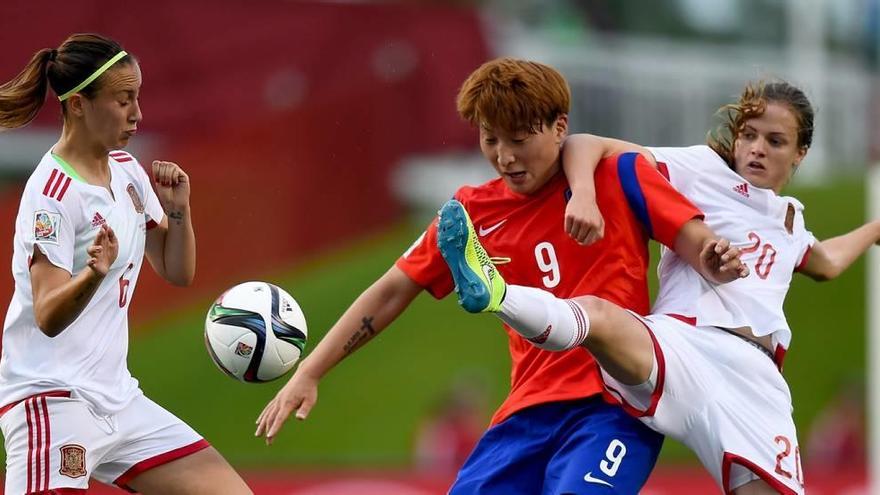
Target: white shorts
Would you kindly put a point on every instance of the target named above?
(60, 442)
(722, 397)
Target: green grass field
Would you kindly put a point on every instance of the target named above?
(370, 406)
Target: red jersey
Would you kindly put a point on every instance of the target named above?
(637, 204)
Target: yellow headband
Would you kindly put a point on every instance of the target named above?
(94, 76)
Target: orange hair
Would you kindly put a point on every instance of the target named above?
(514, 95)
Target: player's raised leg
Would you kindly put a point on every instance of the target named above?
(618, 340)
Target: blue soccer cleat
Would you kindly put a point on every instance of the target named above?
(478, 283)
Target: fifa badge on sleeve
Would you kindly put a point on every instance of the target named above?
(46, 225)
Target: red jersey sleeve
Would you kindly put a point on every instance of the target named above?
(658, 206)
(424, 264)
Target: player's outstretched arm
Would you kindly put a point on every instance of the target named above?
(581, 154)
(712, 257)
(831, 257)
(59, 297)
(171, 246)
(375, 309)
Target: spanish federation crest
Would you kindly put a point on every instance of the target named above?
(73, 461)
(135, 198)
(46, 224)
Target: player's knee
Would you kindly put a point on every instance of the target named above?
(598, 311)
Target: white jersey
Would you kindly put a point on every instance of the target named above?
(768, 229)
(60, 215)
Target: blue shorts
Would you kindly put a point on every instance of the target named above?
(577, 447)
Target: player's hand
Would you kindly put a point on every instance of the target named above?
(583, 220)
(298, 395)
(172, 185)
(103, 251)
(722, 262)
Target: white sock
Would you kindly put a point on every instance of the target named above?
(543, 319)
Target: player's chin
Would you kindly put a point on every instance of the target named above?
(758, 179)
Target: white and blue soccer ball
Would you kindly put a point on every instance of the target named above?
(255, 332)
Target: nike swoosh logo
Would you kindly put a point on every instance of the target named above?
(590, 479)
(493, 228)
(487, 271)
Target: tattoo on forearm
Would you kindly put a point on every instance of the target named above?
(363, 334)
(367, 324)
(177, 216)
(80, 296)
(84, 293)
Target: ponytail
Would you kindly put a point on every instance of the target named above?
(23, 96)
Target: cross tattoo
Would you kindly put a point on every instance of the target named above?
(367, 324)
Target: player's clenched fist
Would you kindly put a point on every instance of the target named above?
(172, 184)
(583, 220)
(298, 395)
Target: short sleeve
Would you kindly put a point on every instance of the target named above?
(660, 208)
(153, 210)
(49, 226)
(424, 264)
(804, 239)
(682, 166)
(807, 240)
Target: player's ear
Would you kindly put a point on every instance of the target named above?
(560, 127)
(802, 152)
(75, 105)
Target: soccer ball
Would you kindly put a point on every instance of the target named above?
(255, 332)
